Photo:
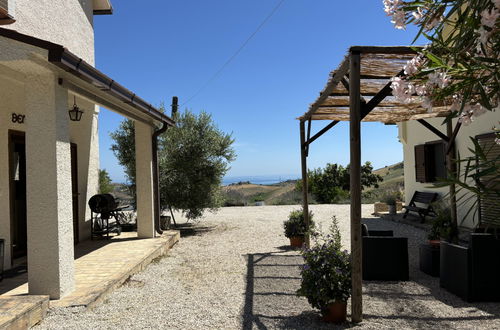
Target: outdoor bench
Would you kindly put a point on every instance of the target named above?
(424, 198)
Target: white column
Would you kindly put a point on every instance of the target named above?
(48, 177)
(144, 180)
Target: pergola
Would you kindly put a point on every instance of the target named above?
(360, 90)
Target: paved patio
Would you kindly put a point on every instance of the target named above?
(100, 267)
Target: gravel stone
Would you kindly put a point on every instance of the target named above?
(233, 269)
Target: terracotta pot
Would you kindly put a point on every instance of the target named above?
(335, 312)
(435, 242)
(297, 241)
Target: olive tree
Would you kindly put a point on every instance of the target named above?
(193, 158)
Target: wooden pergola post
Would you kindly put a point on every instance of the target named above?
(452, 169)
(355, 185)
(305, 202)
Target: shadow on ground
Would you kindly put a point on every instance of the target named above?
(270, 299)
(193, 229)
(273, 278)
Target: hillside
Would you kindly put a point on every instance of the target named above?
(284, 193)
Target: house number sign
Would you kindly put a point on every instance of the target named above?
(17, 118)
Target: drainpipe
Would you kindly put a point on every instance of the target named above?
(156, 177)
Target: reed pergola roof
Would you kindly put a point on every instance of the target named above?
(378, 65)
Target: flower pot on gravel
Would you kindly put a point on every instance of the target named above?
(335, 312)
(392, 208)
(296, 228)
(326, 275)
(297, 241)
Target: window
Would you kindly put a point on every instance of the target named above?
(489, 205)
(430, 161)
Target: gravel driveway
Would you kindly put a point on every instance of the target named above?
(233, 270)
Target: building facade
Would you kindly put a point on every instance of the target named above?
(48, 163)
(423, 169)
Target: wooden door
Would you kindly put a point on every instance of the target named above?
(74, 190)
(17, 183)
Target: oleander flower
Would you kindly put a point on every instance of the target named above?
(489, 17)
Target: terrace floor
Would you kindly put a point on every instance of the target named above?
(100, 267)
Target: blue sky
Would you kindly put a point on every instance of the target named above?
(164, 48)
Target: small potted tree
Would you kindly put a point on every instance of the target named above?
(326, 276)
(295, 227)
(441, 224)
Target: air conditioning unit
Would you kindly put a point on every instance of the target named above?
(7, 9)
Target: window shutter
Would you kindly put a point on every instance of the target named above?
(420, 171)
(489, 206)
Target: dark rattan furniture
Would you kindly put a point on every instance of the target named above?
(385, 257)
(472, 272)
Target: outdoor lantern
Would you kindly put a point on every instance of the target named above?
(75, 114)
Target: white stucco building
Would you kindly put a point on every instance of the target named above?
(420, 172)
(49, 164)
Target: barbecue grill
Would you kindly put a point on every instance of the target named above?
(103, 207)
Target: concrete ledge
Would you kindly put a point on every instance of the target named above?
(90, 298)
(22, 312)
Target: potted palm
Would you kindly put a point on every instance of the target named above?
(326, 276)
(295, 227)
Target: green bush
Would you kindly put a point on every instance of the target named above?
(326, 273)
(295, 225)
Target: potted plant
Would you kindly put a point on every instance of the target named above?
(295, 227)
(390, 199)
(127, 220)
(441, 225)
(326, 276)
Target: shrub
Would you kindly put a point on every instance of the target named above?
(326, 273)
(295, 225)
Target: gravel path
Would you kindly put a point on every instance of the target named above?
(233, 270)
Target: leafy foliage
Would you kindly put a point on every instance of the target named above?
(469, 177)
(441, 223)
(332, 184)
(461, 64)
(105, 186)
(193, 158)
(124, 150)
(295, 224)
(326, 273)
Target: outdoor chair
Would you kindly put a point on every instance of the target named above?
(385, 257)
(421, 198)
(472, 272)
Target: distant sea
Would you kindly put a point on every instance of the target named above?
(259, 179)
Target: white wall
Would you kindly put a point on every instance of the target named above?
(12, 96)
(65, 22)
(413, 133)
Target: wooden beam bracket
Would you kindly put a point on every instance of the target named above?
(317, 135)
(434, 130)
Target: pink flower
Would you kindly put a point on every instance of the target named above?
(398, 18)
(497, 140)
(421, 90)
(418, 14)
(483, 35)
(489, 18)
(427, 103)
(413, 65)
